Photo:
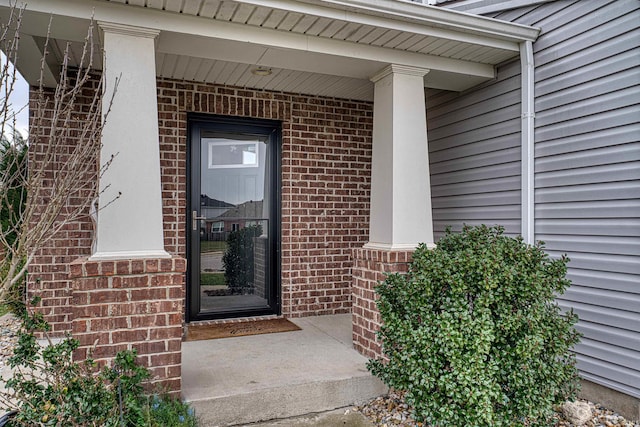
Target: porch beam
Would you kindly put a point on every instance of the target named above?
(129, 223)
(182, 24)
(401, 215)
(30, 65)
(268, 43)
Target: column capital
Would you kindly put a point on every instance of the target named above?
(128, 30)
(399, 69)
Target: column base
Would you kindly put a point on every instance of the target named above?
(370, 269)
(114, 256)
(126, 304)
(396, 247)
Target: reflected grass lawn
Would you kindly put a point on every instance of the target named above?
(212, 279)
(206, 246)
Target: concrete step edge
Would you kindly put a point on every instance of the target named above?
(287, 402)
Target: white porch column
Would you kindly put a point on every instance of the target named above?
(400, 183)
(130, 226)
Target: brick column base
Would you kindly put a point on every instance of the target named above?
(370, 268)
(125, 304)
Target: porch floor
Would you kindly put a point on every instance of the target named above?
(237, 381)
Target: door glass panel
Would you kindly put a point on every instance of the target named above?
(234, 224)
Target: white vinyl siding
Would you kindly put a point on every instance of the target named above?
(474, 154)
(587, 168)
(588, 175)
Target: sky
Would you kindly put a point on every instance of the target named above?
(19, 99)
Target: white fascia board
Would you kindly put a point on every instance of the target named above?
(391, 14)
(409, 11)
(409, 21)
(192, 25)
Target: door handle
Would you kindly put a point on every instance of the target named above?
(194, 220)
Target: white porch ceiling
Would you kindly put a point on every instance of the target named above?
(426, 42)
(320, 47)
(238, 74)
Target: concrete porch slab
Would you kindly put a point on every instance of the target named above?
(237, 381)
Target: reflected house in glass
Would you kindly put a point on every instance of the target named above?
(246, 214)
(211, 209)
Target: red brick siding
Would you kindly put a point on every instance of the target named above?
(370, 268)
(48, 272)
(326, 163)
(125, 304)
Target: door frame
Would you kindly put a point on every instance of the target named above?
(196, 121)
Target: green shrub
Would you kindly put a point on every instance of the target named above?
(238, 259)
(50, 389)
(473, 334)
(168, 412)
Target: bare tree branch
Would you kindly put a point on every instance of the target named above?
(48, 181)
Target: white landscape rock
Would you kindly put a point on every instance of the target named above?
(577, 413)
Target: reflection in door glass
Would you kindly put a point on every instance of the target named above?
(234, 241)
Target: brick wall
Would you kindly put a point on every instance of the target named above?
(370, 268)
(48, 272)
(260, 248)
(326, 167)
(131, 304)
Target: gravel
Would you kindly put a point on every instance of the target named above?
(9, 327)
(391, 410)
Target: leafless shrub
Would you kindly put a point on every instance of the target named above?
(54, 185)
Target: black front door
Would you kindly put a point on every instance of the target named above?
(233, 217)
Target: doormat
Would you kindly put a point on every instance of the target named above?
(239, 329)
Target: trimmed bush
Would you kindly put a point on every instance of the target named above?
(472, 332)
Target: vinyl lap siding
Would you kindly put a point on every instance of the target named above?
(588, 175)
(587, 166)
(474, 154)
